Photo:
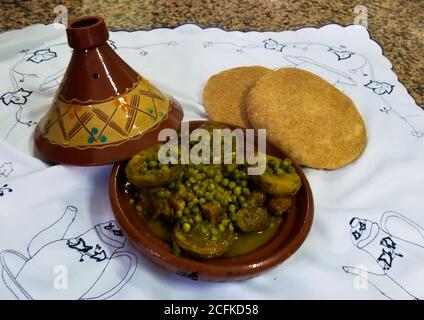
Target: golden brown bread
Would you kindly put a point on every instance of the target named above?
(225, 94)
(307, 117)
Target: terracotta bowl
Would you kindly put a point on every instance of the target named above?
(289, 237)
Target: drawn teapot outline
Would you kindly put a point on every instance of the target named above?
(389, 246)
(88, 254)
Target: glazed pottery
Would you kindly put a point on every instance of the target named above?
(103, 111)
(289, 237)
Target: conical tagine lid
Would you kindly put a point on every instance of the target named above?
(103, 111)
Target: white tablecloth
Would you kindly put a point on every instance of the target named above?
(50, 214)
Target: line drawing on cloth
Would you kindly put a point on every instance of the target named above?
(413, 121)
(53, 80)
(343, 56)
(19, 96)
(5, 188)
(5, 170)
(86, 259)
(390, 247)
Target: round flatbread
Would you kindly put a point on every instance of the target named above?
(225, 92)
(316, 124)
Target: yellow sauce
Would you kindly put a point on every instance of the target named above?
(247, 242)
(244, 242)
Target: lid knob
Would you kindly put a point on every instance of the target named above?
(87, 32)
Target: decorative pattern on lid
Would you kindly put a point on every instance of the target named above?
(108, 123)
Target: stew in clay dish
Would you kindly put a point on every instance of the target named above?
(206, 211)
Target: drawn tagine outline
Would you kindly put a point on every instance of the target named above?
(296, 54)
(19, 96)
(86, 257)
(392, 249)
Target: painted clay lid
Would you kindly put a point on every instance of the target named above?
(103, 111)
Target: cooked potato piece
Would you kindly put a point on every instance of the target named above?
(252, 219)
(143, 170)
(279, 185)
(201, 241)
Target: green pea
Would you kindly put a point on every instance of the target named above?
(218, 178)
(186, 211)
(186, 227)
(232, 185)
(179, 213)
(221, 228)
(232, 208)
(241, 199)
(225, 182)
(214, 238)
(192, 179)
(246, 191)
(224, 202)
(153, 164)
(241, 176)
(171, 185)
(291, 169)
(244, 205)
(243, 183)
(237, 191)
(197, 218)
(211, 187)
(208, 196)
(131, 201)
(231, 167)
(214, 231)
(196, 209)
(231, 227)
(143, 170)
(162, 193)
(279, 171)
(287, 162)
(202, 201)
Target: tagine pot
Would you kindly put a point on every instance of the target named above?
(103, 111)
